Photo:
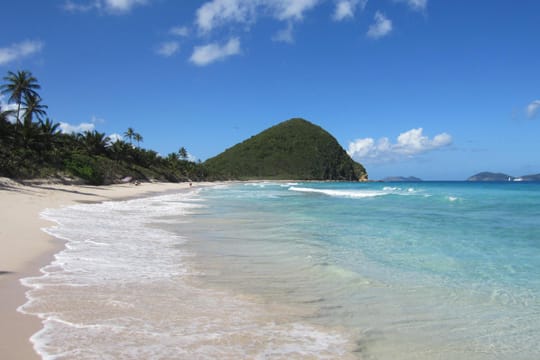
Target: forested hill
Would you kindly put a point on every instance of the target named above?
(294, 149)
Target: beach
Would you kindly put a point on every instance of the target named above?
(280, 270)
(26, 248)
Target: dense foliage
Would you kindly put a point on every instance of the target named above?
(32, 146)
(294, 149)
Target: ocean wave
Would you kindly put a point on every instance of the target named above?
(355, 194)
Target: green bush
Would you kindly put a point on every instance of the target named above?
(85, 167)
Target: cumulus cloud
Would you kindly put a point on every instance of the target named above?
(207, 54)
(114, 138)
(168, 49)
(417, 5)
(111, 6)
(19, 50)
(215, 13)
(74, 129)
(345, 9)
(381, 27)
(533, 108)
(219, 12)
(408, 144)
(291, 9)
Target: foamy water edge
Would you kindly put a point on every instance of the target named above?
(93, 264)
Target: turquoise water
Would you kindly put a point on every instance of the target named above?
(430, 270)
(414, 270)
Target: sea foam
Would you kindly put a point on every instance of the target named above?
(121, 289)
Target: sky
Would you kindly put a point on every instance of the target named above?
(437, 89)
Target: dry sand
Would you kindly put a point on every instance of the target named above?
(25, 248)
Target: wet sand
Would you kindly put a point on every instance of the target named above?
(25, 248)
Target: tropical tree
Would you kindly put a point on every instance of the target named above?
(18, 85)
(5, 124)
(129, 134)
(120, 150)
(49, 127)
(33, 107)
(138, 138)
(172, 158)
(94, 142)
(183, 153)
(48, 131)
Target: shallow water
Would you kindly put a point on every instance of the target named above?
(299, 270)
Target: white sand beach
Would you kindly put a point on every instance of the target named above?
(25, 248)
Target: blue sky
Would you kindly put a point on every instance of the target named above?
(430, 88)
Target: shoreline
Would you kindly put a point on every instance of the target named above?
(26, 248)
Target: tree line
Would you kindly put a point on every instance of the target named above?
(33, 146)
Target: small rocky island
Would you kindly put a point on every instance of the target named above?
(489, 176)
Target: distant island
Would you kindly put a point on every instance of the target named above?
(401, 179)
(294, 149)
(489, 176)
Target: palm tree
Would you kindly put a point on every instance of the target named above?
(138, 138)
(49, 127)
(5, 124)
(183, 153)
(130, 133)
(18, 85)
(94, 142)
(32, 106)
(120, 150)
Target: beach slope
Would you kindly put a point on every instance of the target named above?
(25, 248)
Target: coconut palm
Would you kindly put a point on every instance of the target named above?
(130, 133)
(94, 142)
(49, 127)
(18, 85)
(138, 138)
(183, 153)
(120, 150)
(33, 107)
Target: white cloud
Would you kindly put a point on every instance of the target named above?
(168, 48)
(19, 51)
(345, 9)
(111, 6)
(285, 35)
(291, 9)
(417, 5)
(122, 5)
(70, 129)
(4, 106)
(219, 12)
(114, 138)
(181, 31)
(408, 144)
(381, 27)
(207, 54)
(533, 108)
(78, 7)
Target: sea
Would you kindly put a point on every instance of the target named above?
(296, 270)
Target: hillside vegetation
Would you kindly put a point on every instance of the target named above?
(294, 149)
(33, 146)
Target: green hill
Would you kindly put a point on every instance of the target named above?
(295, 149)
